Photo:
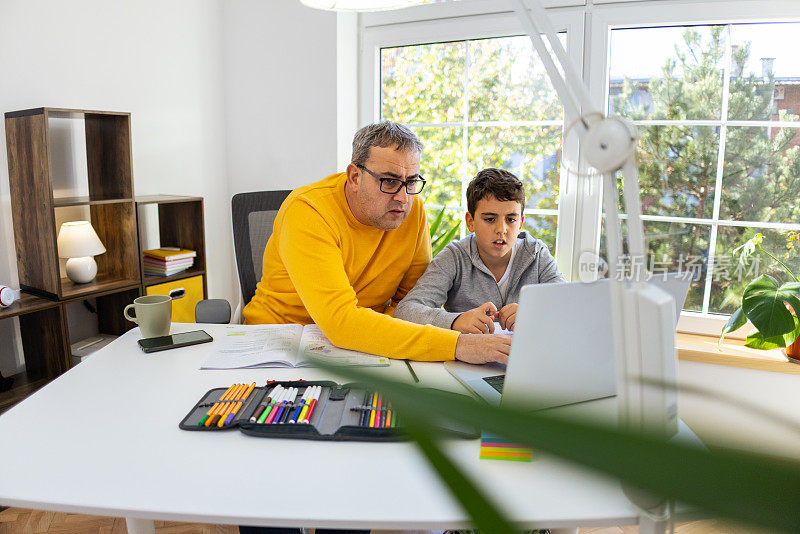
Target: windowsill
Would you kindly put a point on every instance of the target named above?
(704, 349)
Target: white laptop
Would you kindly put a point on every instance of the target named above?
(562, 349)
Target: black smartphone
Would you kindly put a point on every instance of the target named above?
(184, 339)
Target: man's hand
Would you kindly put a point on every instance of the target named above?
(508, 316)
(478, 320)
(483, 348)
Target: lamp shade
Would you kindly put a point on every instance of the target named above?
(360, 5)
(78, 239)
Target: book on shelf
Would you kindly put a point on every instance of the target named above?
(165, 272)
(280, 345)
(169, 253)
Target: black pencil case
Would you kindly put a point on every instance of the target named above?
(337, 415)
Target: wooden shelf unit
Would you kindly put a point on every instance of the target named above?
(113, 210)
(180, 224)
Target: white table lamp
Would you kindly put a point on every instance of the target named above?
(78, 242)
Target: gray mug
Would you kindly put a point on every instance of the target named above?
(152, 313)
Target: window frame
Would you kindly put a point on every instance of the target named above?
(650, 13)
(588, 28)
(387, 30)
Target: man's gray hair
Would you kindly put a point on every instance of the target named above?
(383, 134)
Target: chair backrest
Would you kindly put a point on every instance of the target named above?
(253, 215)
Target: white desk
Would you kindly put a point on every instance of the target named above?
(104, 439)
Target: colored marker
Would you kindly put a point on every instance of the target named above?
(290, 406)
(266, 403)
(278, 403)
(313, 405)
(300, 405)
(374, 406)
(364, 415)
(382, 414)
(304, 411)
(280, 408)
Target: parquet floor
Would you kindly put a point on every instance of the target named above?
(23, 521)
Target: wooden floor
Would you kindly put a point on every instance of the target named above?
(22, 521)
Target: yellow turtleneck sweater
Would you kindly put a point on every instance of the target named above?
(321, 265)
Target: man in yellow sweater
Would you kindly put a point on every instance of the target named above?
(345, 250)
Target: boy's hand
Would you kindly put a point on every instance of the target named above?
(508, 316)
(483, 348)
(478, 320)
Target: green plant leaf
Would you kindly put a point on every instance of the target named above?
(757, 340)
(743, 486)
(445, 239)
(764, 305)
(436, 222)
(736, 321)
(484, 514)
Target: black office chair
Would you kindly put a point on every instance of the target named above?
(253, 215)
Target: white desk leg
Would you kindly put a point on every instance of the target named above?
(140, 526)
(649, 525)
(563, 531)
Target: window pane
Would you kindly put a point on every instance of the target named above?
(764, 71)
(674, 247)
(507, 81)
(667, 73)
(542, 227)
(441, 165)
(677, 170)
(730, 277)
(761, 179)
(531, 153)
(423, 83)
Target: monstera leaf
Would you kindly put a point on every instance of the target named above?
(764, 304)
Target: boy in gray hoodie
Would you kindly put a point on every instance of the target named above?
(477, 280)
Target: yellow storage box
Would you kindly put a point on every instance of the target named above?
(185, 293)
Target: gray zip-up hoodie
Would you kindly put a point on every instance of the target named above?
(458, 280)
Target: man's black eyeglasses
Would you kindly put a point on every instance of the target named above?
(393, 185)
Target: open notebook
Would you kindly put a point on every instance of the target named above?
(280, 345)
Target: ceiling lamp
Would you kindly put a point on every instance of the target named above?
(360, 5)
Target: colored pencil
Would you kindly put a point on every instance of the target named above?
(232, 414)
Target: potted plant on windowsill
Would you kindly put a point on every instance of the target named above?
(771, 307)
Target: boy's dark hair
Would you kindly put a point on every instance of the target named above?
(498, 183)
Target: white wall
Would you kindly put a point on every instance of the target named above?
(280, 94)
(161, 61)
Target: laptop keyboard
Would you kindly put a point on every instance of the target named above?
(496, 382)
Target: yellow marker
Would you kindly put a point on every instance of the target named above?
(302, 417)
(373, 411)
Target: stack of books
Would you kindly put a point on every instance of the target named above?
(166, 261)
